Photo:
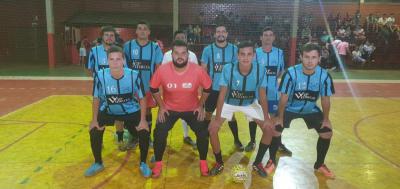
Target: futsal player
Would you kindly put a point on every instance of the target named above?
(301, 86)
(180, 82)
(238, 86)
(118, 95)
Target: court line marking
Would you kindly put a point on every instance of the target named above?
(22, 137)
(355, 130)
(117, 171)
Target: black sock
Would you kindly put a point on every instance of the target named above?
(143, 144)
(322, 150)
(202, 140)
(120, 135)
(253, 131)
(234, 128)
(274, 148)
(218, 157)
(149, 119)
(262, 148)
(96, 142)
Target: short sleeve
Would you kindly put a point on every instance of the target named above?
(226, 74)
(286, 84)
(327, 88)
(155, 81)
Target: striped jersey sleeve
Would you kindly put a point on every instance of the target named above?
(286, 85)
(327, 86)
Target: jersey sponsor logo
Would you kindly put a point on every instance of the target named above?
(141, 65)
(187, 85)
(218, 68)
(306, 95)
(245, 95)
(218, 56)
(271, 70)
(119, 99)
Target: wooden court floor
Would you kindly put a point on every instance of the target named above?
(44, 143)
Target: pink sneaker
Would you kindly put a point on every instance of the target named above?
(203, 168)
(325, 171)
(270, 167)
(157, 169)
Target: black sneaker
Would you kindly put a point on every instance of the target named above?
(259, 168)
(216, 169)
(250, 146)
(189, 141)
(283, 149)
(239, 146)
(132, 144)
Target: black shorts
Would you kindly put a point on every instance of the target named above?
(190, 118)
(313, 120)
(129, 120)
(211, 102)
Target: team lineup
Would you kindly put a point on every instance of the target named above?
(129, 81)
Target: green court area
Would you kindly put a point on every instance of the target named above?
(46, 145)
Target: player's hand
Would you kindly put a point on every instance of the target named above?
(268, 123)
(161, 114)
(326, 123)
(142, 125)
(200, 113)
(215, 123)
(95, 124)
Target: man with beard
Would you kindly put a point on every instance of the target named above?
(98, 61)
(180, 35)
(180, 83)
(144, 56)
(213, 59)
(118, 96)
(300, 88)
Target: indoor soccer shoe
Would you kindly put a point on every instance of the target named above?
(260, 170)
(122, 146)
(189, 141)
(145, 170)
(94, 169)
(283, 149)
(203, 168)
(250, 146)
(157, 169)
(270, 167)
(217, 169)
(325, 171)
(239, 146)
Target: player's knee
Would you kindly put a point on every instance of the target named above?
(213, 130)
(326, 135)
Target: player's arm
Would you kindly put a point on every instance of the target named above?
(326, 106)
(90, 64)
(281, 108)
(328, 90)
(138, 86)
(155, 84)
(285, 89)
(204, 59)
(95, 105)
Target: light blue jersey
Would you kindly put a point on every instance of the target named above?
(143, 59)
(242, 89)
(118, 96)
(215, 58)
(304, 90)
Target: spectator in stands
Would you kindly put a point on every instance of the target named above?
(381, 22)
(190, 34)
(197, 34)
(367, 50)
(221, 19)
(390, 20)
(357, 57)
(201, 19)
(343, 49)
(357, 18)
